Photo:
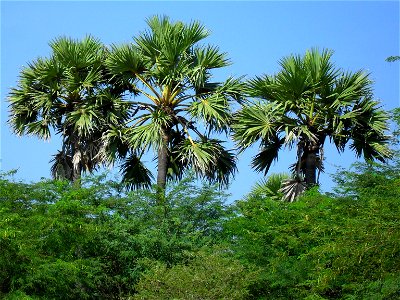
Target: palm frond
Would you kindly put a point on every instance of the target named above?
(77, 53)
(264, 87)
(350, 87)
(113, 146)
(268, 154)
(69, 92)
(255, 122)
(149, 134)
(61, 166)
(210, 57)
(209, 159)
(368, 131)
(134, 173)
(308, 100)
(214, 111)
(83, 120)
(125, 60)
(269, 187)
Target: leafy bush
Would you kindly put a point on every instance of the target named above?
(206, 276)
(322, 246)
(59, 241)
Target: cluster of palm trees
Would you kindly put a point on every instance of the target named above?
(114, 104)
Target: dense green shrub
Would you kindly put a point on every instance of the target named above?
(206, 276)
(59, 241)
(322, 246)
(62, 242)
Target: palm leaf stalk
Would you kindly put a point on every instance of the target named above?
(307, 102)
(180, 107)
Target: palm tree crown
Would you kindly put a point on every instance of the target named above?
(70, 93)
(180, 107)
(308, 100)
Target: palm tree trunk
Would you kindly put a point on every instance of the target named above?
(310, 171)
(163, 157)
(76, 164)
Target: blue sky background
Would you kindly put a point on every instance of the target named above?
(254, 34)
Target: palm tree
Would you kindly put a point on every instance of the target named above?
(180, 107)
(307, 101)
(70, 93)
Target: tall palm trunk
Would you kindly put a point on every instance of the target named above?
(310, 158)
(76, 163)
(163, 157)
(76, 174)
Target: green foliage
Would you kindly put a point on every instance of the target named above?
(205, 276)
(63, 242)
(334, 248)
(97, 241)
(269, 187)
(172, 70)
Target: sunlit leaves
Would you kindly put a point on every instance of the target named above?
(125, 60)
(269, 188)
(167, 64)
(214, 110)
(209, 159)
(255, 122)
(83, 120)
(78, 55)
(39, 128)
(350, 87)
(210, 57)
(148, 132)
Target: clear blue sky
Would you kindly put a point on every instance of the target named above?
(254, 34)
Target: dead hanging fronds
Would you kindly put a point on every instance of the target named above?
(292, 188)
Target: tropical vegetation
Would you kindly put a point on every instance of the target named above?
(60, 241)
(180, 238)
